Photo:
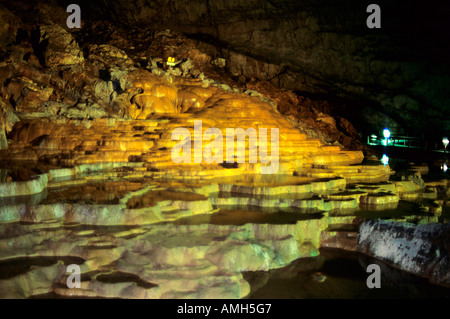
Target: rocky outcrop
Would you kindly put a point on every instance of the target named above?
(9, 27)
(58, 47)
(71, 88)
(400, 70)
(422, 250)
(7, 120)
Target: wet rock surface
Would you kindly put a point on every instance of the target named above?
(422, 250)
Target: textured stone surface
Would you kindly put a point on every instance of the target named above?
(197, 261)
(94, 141)
(58, 46)
(298, 46)
(7, 120)
(422, 250)
(9, 27)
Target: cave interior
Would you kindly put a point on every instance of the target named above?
(339, 159)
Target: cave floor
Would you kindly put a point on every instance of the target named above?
(230, 237)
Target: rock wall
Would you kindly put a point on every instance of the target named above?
(399, 73)
(422, 250)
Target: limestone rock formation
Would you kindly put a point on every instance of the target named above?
(10, 25)
(401, 70)
(422, 250)
(7, 120)
(58, 46)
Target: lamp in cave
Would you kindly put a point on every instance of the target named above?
(385, 159)
(444, 167)
(445, 142)
(387, 135)
(372, 139)
(171, 61)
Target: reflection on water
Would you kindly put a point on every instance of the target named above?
(385, 159)
(17, 266)
(241, 217)
(336, 274)
(33, 199)
(17, 175)
(332, 274)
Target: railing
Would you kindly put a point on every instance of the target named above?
(406, 141)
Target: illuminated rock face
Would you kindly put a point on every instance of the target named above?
(296, 45)
(123, 175)
(60, 47)
(180, 102)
